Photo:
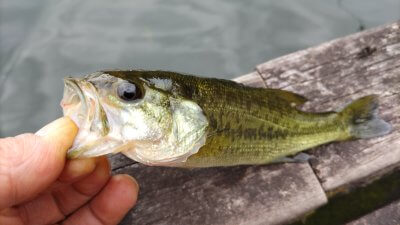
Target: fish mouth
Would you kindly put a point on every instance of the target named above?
(82, 104)
(74, 102)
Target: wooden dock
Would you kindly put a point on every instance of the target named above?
(329, 75)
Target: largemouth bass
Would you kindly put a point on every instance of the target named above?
(170, 119)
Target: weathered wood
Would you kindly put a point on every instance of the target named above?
(335, 73)
(252, 79)
(330, 75)
(272, 194)
(388, 215)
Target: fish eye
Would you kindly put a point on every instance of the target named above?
(129, 91)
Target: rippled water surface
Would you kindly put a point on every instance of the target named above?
(42, 41)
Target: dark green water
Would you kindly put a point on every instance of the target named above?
(344, 208)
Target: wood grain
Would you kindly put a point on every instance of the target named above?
(272, 194)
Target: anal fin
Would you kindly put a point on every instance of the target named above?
(299, 158)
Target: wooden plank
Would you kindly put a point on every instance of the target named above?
(388, 215)
(335, 73)
(272, 194)
(253, 79)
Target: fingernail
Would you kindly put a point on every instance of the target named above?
(60, 132)
(120, 176)
(56, 126)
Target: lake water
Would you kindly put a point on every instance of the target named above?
(43, 41)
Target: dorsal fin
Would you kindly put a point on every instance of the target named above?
(291, 98)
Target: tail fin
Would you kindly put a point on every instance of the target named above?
(362, 116)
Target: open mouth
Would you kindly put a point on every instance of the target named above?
(74, 102)
(81, 103)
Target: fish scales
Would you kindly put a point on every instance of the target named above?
(241, 125)
(248, 123)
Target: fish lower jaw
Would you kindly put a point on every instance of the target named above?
(93, 147)
(163, 153)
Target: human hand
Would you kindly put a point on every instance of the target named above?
(39, 186)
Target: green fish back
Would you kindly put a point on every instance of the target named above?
(256, 125)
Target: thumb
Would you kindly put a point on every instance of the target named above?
(59, 133)
(29, 163)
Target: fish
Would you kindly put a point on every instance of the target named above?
(162, 118)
